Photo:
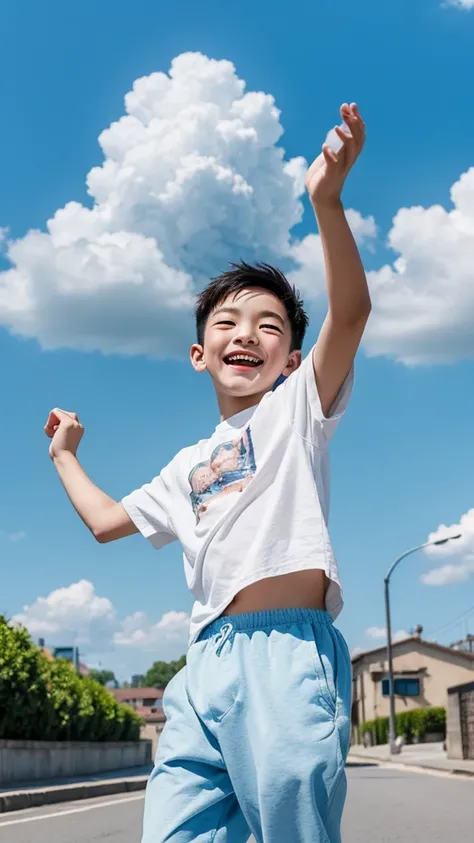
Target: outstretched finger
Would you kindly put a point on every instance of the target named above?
(357, 125)
(330, 157)
(346, 113)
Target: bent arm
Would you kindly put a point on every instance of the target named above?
(105, 517)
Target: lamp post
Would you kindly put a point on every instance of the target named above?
(392, 744)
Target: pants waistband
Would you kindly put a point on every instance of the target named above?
(270, 618)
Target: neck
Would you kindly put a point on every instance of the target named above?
(230, 405)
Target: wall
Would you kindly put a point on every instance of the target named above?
(460, 731)
(453, 728)
(22, 761)
(152, 731)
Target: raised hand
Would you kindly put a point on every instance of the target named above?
(327, 174)
(65, 431)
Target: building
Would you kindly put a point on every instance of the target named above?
(54, 653)
(148, 704)
(138, 698)
(423, 672)
(460, 731)
(153, 725)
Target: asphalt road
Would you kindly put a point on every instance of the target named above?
(385, 805)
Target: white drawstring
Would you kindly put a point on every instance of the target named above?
(223, 636)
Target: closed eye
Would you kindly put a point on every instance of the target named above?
(273, 327)
(225, 322)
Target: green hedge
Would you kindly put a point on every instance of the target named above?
(43, 700)
(413, 725)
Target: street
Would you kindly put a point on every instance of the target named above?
(385, 805)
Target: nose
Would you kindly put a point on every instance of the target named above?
(246, 336)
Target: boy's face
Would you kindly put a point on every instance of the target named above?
(246, 348)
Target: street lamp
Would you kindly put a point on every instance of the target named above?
(392, 744)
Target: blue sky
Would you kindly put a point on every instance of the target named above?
(402, 460)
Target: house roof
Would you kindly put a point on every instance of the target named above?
(47, 653)
(430, 645)
(121, 694)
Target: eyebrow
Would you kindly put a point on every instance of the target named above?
(262, 315)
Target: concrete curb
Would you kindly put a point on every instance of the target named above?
(35, 797)
(453, 771)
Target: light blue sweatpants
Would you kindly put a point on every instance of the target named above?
(256, 735)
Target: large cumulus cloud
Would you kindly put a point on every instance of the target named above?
(192, 179)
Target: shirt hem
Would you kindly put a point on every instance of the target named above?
(263, 573)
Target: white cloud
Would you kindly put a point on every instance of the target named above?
(12, 537)
(379, 633)
(364, 229)
(461, 4)
(400, 635)
(376, 632)
(356, 651)
(76, 613)
(462, 550)
(138, 631)
(447, 575)
(423, 303)
(192, 179)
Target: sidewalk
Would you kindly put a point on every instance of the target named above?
(35, 794)
(426, 756)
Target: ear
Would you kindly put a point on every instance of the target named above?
(196, 355)
(293, 363)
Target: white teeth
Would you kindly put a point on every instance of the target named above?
(235, 358)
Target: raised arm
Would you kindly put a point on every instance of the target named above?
(348, 295)
(105, 517)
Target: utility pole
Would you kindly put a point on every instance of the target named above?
(391, 686)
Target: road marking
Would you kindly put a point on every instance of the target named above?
(71, 811)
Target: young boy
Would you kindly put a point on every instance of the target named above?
(257, 727)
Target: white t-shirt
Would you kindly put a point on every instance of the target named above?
(250, 502)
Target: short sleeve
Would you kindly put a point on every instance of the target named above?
(300, 394)
(150, 508)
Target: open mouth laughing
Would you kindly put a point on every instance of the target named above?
(243, 360)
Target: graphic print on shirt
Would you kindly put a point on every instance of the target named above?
(230, 468)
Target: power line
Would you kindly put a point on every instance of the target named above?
(456, 620)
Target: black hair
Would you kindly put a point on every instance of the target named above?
(244, 276)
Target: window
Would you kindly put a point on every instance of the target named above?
(402, 687)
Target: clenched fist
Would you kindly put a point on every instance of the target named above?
(65, 431)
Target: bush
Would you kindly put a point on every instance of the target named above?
(42, 700)
(413, 725)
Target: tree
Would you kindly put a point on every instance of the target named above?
(103, 676)
(47, 700)
(138, 681)
(160, 673)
